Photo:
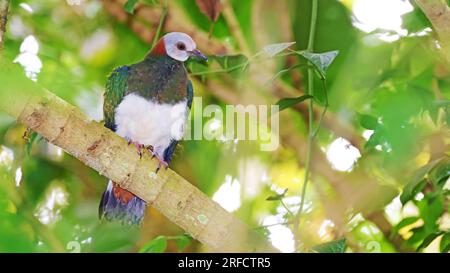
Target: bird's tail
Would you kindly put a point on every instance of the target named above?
(118, 204)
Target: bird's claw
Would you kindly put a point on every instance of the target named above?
(138, 146)
(161, 162)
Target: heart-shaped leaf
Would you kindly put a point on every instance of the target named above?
(274, 49)
(320, 60)
(211, 8)
(289, 102)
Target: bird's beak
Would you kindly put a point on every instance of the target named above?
(198, 54)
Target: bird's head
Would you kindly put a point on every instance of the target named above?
(178, 46)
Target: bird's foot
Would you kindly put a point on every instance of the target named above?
(161, 161)
(139, 147)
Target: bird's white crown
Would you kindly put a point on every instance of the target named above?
(179, 45)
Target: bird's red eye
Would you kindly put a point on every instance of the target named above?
(181, 46)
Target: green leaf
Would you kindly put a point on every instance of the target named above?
(231, 62)
(263, 231)
(411, 190)
(415, 21)
(368, 122)
(337, 246)
(151, 2)
(377, 138)
(320, 60)
(129, 6)
(196, 67)
(31, 140)
(289, 102)
(403, 223)
(440, 173)
(182, 241)
(429, 239)
(444, 245)
(431, 208)
(273, 49)
(419, 234)
(157, 245)
(277, 196)
(417, 183)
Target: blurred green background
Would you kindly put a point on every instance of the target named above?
(380, 164)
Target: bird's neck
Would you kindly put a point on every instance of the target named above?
(159, 49)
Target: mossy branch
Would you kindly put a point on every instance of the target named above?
(99, 148)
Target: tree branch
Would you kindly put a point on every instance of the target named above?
(99, 148)
(438, 13)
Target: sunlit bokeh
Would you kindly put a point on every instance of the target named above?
(18, 176)
(28, 57)
(229, 194)
(342, 155)
(49, 211)
(280, 235)
(26, 7)
(6, 156)
(371, 15)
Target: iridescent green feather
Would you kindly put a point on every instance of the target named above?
(190, 94)
(116, 88)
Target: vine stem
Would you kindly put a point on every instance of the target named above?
(311, 133)
(245, 64)
(161, 22)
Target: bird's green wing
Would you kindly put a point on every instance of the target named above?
(116, 88)
(190, 94)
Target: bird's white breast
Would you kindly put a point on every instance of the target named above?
(150, 123)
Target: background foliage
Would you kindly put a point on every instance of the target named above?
(380, 165)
